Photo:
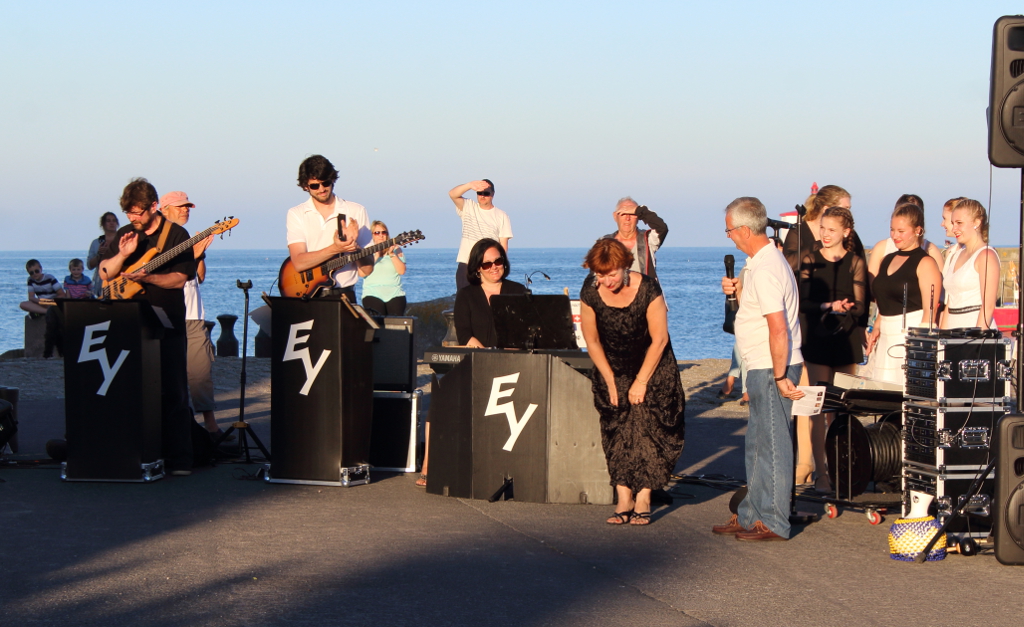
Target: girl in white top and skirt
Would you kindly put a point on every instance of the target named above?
(971, 272)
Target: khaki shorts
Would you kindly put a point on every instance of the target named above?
(200, 364)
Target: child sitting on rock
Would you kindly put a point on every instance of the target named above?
(76, 284)
(40, 286)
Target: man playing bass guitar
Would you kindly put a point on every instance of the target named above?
(313, 228)
(147, 229)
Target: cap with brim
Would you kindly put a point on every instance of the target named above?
(175, 199)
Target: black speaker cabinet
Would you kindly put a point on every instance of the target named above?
(321, 396)
(1009, 505)
(112, 391)
(502, 415)
(1006, 94)
(394, 363)
(396, 434)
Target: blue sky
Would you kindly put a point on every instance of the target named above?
(566, 106)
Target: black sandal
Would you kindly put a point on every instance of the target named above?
(422, 481)
(640, 519)
(620, 518)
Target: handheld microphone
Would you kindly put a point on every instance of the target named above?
(779, 225)
(730, 271)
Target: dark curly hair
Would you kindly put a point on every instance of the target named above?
(316, 167)
(103, 219)
(476, 257)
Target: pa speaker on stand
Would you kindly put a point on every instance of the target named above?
(1008, 527)
(1006, 94)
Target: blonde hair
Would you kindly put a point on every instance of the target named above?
(845, 218)
(977, 211)
(952, 203)
(827, 196)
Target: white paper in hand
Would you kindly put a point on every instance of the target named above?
(810, 404)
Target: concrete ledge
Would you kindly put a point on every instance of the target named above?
(35, 336)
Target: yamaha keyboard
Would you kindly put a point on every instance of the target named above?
(441, 359)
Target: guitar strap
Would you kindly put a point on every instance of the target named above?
(163, 236)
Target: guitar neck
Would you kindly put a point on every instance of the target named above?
(332, 265)
(167, 255)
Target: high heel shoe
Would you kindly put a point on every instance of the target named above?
(803, 474)
(822, 485)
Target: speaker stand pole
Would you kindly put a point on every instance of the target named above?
(242, 426)
(1019, 333)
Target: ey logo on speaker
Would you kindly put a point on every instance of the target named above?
(292, 352)
(100, 354)
(494, 408)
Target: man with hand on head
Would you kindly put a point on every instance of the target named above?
(176, 207)
(768, 337)
(313, 228)
(643, 243)
(164, 288)
(480, 220)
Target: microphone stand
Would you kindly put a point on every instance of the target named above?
(242, 426)
(797, 517)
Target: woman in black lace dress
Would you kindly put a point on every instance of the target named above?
(636, 383)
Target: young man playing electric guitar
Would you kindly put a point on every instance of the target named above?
(163, 287)
(313, 229)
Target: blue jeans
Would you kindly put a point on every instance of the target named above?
(738, 369)
(769, 452)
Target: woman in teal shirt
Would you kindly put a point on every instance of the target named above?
(382, 289)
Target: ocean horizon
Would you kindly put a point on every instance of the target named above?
(689, 276)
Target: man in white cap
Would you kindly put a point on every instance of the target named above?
(176, 207)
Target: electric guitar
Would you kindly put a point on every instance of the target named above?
(305, 284)
(124, 289)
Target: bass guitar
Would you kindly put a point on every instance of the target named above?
(306, 283)
(124, 289)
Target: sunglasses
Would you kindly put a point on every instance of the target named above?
(316, 186)
(486, 192)
(487, 264)
(37, 271)
(380, 232)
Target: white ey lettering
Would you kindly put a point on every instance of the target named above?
(508, 408)
(290, 353)
(100, 354)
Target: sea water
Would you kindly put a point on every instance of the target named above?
(690, 277)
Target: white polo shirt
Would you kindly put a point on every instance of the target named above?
(307, 226)
(768, 286)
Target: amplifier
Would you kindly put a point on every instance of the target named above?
(394, 360)
(395, 436)
(950, 370)
(949, 439)
(949, 490)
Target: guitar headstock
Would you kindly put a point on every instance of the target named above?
(408, 238)
(222, 226)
